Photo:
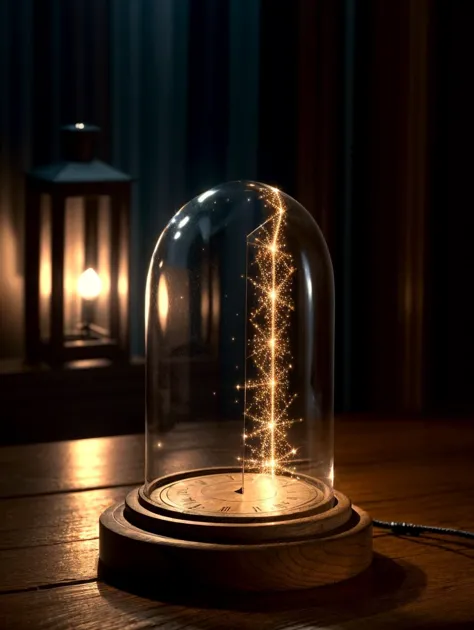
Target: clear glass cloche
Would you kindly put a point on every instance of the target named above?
(239, 346)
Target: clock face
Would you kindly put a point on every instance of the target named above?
(224, 495)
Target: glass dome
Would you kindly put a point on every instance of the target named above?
(239, 340)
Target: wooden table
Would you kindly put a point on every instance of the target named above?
(412, 470)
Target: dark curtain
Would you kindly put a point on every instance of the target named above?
(360, 109)
(174, 87)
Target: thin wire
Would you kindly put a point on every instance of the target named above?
(412, 529)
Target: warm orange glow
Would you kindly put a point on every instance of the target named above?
(123, 285)
(45, 279)
(163, 302)
(89, 284)
(87, 460)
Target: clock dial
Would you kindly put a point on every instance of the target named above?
(220, 494)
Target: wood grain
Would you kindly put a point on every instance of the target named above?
(418, 494)
(417, 471)
(419, 588)
(54, 519)
(296, 563)
(74, 465)
(361, 442)
(45, 567)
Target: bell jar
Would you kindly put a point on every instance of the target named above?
(238, 493)
(239, 354)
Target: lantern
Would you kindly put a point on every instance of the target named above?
(238, 490)
(77, 255)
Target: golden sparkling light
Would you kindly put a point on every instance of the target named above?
(267, 387)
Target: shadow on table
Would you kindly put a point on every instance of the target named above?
(386, 585)
(453, 545)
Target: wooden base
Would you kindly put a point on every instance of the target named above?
(333, 555)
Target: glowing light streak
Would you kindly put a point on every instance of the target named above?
(205, 195)
(267, 398)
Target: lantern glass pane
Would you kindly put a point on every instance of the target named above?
(74, 264)
(239, 335)
(87, 266)
(103, 257)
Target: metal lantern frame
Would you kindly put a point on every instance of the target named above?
(87, 178)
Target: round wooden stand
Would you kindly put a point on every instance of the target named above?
(322, 548)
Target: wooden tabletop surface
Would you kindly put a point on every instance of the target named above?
(409, 470)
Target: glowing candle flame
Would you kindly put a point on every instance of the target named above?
(89, 284)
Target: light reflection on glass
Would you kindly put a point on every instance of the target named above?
(205, 195)
(183, 222)
(163, 302)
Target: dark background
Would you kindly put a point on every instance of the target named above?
(361, 109)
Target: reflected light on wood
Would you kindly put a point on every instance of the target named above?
(87, 459)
